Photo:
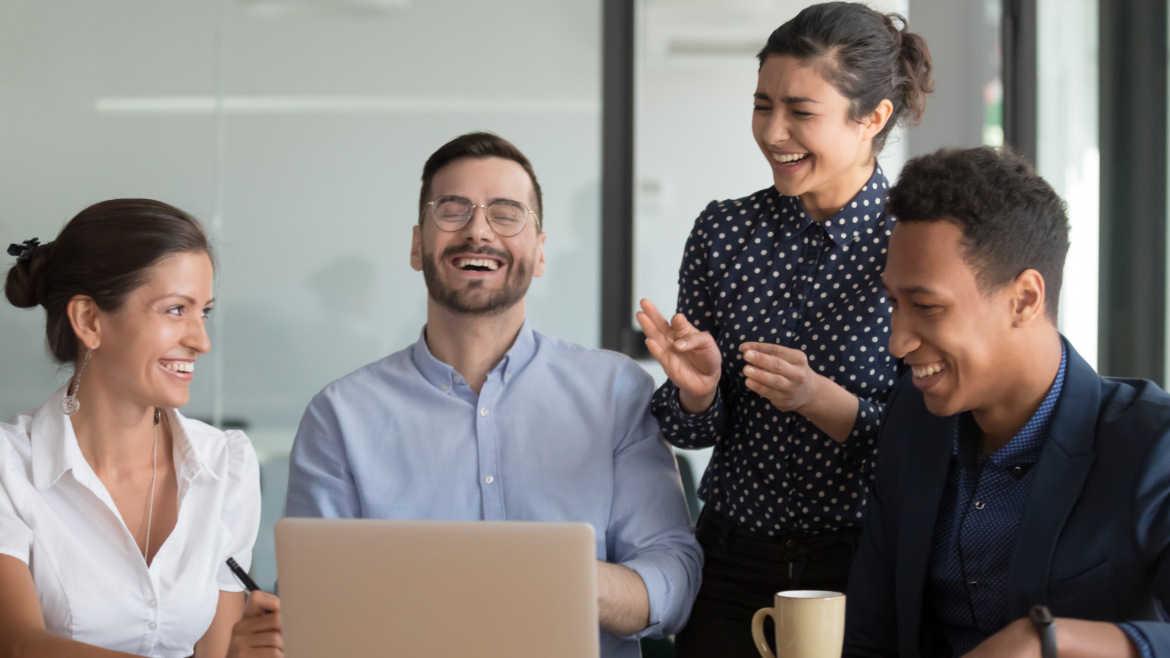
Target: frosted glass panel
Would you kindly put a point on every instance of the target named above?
(296, 130)
(58, 155)
(1067, 155)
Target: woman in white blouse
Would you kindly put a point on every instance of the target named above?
(117, 514)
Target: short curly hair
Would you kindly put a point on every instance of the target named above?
(1012, 220)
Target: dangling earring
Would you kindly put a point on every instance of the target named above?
(70, 405)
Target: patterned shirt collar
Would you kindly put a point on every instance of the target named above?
(1027, 445)
(863, 212)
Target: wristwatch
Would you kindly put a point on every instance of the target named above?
(1046, 628)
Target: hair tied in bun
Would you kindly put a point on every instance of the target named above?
(24, 250)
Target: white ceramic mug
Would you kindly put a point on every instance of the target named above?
(809, 624)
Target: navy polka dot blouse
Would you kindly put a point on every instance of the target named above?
(760, 269)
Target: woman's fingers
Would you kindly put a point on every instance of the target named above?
(649, 327)
(771, 364)
(261, 603)
(788, 354)
(696, 340)
(655, 317)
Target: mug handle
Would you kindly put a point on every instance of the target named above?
(758, 631)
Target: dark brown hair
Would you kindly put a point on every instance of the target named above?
(104, 253)
(1012, 220)
(476, 145)
(865, 55)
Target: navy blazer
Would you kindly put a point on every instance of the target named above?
(1092, 542)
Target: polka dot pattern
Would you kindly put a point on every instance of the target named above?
(977, 521)
(760, 269)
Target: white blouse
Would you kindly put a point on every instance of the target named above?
(92, 581)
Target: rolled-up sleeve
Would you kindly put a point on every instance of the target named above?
(320, 482)
(649, 527)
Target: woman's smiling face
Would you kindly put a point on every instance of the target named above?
(803, 127)
(149, 345)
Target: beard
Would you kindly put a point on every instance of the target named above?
(475, 299)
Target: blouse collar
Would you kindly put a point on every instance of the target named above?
(55, 450)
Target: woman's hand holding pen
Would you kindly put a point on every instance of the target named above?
(690, 357)
(257, 634)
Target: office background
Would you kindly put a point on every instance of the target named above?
(296, 131)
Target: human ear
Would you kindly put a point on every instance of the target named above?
(876, 121)
(1028, 297)
(538, 268)
(85, 317)
(416, 249)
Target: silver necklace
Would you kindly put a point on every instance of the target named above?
(153, 477)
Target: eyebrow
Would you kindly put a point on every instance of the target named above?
(500, 198)
(189, 300)
(912, 290)
(787, 100)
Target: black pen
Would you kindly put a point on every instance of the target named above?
(248, 583)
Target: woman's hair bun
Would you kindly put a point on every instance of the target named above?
(25, 284)
(918, 73)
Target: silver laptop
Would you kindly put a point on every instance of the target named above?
(363, 587)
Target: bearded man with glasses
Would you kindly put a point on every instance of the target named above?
(485, 419)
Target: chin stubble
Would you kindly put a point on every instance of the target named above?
(467, 301)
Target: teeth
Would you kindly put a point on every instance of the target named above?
(180, 366)
(788, 157)
(928, 370)
(463, 263)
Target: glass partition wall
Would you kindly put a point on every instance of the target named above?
(296, 130)
(1067, 153)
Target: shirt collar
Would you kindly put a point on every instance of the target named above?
(1028, 444)
(55, 449)
(442, 376)
(863, 213)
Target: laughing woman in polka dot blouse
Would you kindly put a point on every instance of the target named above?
(778, 354)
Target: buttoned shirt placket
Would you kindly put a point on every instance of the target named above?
(487, 441)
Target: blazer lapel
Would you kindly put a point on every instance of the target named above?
(924, 483)
(1060, 475)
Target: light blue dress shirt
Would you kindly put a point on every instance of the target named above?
(557, 433)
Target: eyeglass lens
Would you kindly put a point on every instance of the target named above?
(505, 217)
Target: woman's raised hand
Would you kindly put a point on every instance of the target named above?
(690, 357)
(257, 634)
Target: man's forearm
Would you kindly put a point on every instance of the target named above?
(1075, 638)
(622, 599)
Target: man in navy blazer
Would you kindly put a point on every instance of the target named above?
(1009, 474)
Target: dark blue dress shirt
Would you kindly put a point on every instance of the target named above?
(978, 517)
(760, 269)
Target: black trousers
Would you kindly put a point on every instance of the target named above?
(743, 571)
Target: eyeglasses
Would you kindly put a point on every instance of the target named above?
(506, 217)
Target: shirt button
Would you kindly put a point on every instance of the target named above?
(791, 544)
(507, 376)
(1017, 471)
(979, 504)
(489, 479)
(457, 379)
(152, 626)
(444, 388)
(974, 584)
(483, 412)
(151, 603)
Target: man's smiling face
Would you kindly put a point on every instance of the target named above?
(952, 334)
(475, 270)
